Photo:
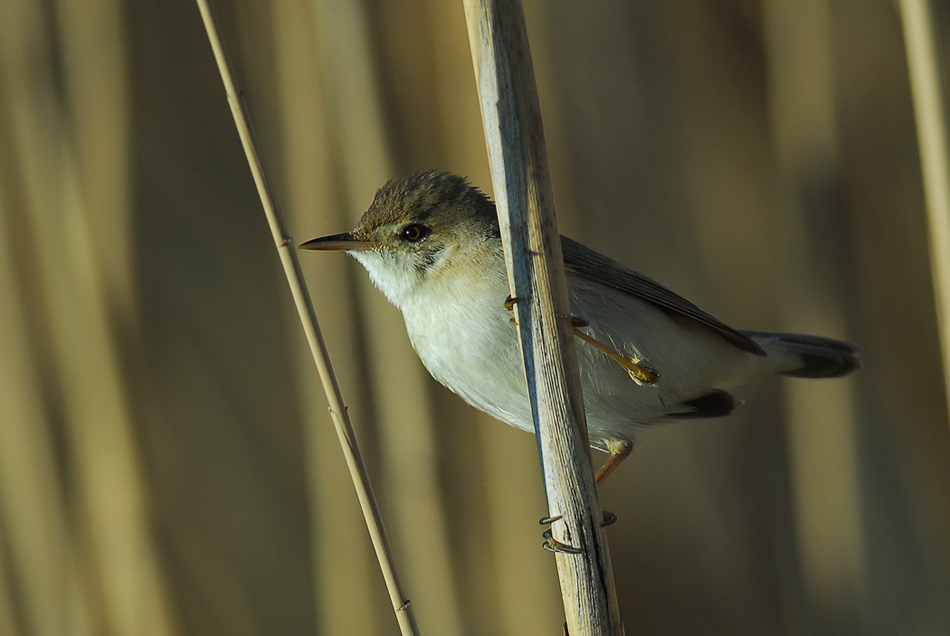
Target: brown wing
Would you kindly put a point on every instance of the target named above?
(587, 263)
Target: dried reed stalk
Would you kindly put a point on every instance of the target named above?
(308, 318)
(511, 115)
(923, 62)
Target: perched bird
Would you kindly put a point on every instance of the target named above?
(430, 242)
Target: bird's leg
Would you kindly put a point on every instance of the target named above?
(619, 451)
(638, 372)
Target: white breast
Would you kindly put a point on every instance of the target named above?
(465, 338)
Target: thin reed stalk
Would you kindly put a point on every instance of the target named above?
(923, 62)
(511, 115)
(308, 318)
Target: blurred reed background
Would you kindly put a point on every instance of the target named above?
(167, 465)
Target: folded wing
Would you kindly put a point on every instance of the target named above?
(587, 263)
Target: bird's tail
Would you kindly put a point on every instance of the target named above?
(804, 356)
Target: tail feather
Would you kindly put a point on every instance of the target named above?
(810, 356)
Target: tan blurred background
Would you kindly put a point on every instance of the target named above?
(167, 466)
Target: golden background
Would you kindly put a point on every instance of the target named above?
(167, 464)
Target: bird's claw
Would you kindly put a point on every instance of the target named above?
(553, 545)
(579, 323)
(609, 519)
(546, 521)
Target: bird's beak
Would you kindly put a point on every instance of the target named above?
(344, 241)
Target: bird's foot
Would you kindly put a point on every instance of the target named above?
(609, 519)
(550, 543)
(510, 303)
(640, 373)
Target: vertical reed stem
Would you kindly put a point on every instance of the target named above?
(923, 62)
(512, 118)
(308, 318)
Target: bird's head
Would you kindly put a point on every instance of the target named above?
(419, 229)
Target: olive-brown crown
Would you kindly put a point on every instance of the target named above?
(435, 199)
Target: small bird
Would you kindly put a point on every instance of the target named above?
(430, 242)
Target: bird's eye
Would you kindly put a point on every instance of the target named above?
(414, 232)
